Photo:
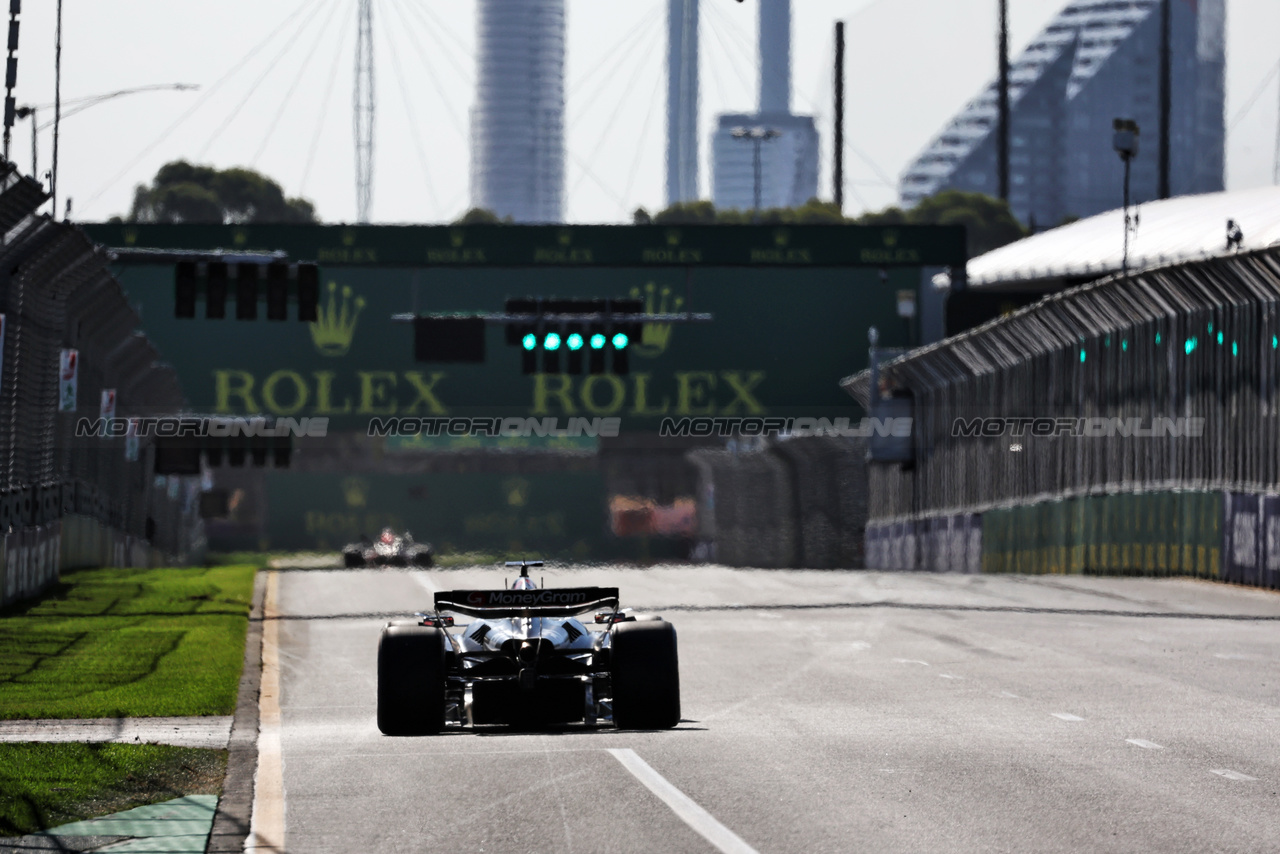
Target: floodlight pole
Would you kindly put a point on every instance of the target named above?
(1125, 143)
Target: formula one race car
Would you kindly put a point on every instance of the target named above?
(525, 661)
(389, 550)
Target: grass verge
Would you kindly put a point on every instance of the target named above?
(47, 785)
(127, 642)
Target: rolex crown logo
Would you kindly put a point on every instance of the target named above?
(565, 237)
(781, 237)
(456, 237)
(335, 324)
(349, 237)
(891, 237)
(355, 491)
(673, 237)
(654, 337)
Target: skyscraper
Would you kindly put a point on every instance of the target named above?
(788, 162)
(1097, 61)
(682, 101)
(517, 123)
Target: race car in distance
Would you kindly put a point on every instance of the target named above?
(389, 550)
(524, 660)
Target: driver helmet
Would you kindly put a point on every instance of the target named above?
(387, 535)
(523, 583)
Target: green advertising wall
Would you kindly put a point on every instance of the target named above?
(792, 307)
(1163, 533)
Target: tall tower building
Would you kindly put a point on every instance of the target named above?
(789, 160)
(1097, 61)
(682, 101)
(517, 123)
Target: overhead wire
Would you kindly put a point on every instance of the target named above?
(724, 46)
(621, 103)
(288, 95)
(289, 44)
(450, 107)
(324, 106)
(1253, 99)
(434, 28)
(637, 37)
(408, 108)
(640, 143)
(303, 5)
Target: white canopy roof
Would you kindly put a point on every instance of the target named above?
(1167, 232)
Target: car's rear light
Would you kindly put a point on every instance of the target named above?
(438, 622)
(611, 618)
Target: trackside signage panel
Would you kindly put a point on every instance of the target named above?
(555, 246)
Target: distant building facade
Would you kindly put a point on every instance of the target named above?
(517, 124)
(1097, 61)
(789, 162)
(682, 101)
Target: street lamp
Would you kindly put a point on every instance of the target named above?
(757, 135)
(80, 104)
(1125, 143)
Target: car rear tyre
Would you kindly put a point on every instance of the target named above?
(352, 559)
(422, 559)
(411, 679)
(646, 675)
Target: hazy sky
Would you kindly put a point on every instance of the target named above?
(287, 108)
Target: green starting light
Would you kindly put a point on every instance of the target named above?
(529, 342)
(1275, 342)
(1082, 357)
(574, 341)
(1124, 345)
(597, 341)
(620, 341)
(552, 341)
(1157, 338)
(1192, 343)
(1235, 348)
(1219, 338)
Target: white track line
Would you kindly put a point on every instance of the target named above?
(266, 827)
(1066, 716)
(1234, 775)
(682, 805)
(1142, 742)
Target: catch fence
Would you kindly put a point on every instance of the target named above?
(1166, 381)
(68, 501)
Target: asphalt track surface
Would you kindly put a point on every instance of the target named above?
(823, 712)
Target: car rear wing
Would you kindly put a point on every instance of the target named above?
(549, 602)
